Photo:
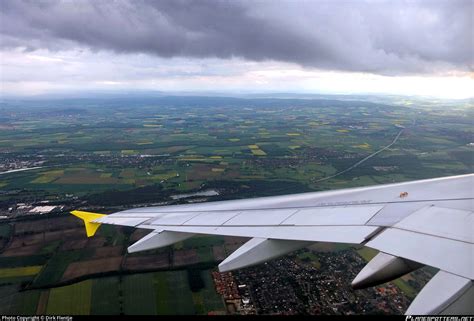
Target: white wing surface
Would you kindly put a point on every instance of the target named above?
(426, 222)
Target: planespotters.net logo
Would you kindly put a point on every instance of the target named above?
(439, 318)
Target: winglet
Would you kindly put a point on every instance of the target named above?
(88, 218)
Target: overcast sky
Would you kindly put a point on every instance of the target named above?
(371, 46)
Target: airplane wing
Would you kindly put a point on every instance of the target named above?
(411, 224)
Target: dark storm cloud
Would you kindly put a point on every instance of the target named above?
(376, 36)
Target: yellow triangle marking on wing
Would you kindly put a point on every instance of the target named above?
(89, 218)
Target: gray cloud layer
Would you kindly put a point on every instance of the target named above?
(395, 37)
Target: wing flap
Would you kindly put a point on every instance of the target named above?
(212, 219)
(260, 217)
(337, 234)
(335, 215)
(441, 293)
(440, 221)
(453, 256)
(433, 235)
(346, 215)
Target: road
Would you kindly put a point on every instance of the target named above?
(362, 160)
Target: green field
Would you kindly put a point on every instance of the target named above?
(5, 231)
(172, 293)
(113, 236)
(20, 271)
(50, 248)
(105, 296)
(310, 257)
(24, 303)
(367, 253)
(16, 261)
(207, 299)
(56, 266)
(405, 287)
(139, 294)
(8, 297)
(73, 299)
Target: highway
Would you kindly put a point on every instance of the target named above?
(363, 160)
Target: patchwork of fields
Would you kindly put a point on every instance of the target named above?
(96, 153)
(66, 273)
(138, 294)
(91, 149)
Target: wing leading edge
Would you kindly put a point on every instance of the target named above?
(426, 222)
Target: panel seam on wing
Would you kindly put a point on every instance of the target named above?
(190, 218)
(429, 234)
(281, 223)
(233, 216)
